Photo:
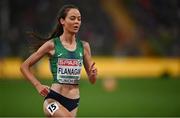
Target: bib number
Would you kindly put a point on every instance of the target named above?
(52, 107)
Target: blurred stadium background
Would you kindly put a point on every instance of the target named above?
(135, 44)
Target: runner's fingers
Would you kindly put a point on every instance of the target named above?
(94, 70)
(44, 92)
(94, 74)
(48, 88)
(92, 66)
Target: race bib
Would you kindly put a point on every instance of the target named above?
(69, 70)
(52, 107)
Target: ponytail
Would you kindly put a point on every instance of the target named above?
(56, 32)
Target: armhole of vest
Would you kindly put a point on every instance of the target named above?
(82, 46)
(55, 46)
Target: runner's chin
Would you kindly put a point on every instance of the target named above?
(75, 30)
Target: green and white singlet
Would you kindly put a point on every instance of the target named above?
(66, 65)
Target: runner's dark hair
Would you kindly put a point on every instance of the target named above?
(38, 40)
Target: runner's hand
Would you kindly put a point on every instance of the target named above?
(43, 90)
(92, 73)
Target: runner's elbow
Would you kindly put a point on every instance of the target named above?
(23, 67)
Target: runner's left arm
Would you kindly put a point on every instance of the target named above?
(89, 64)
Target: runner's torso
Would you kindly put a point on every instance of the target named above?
(66, 67)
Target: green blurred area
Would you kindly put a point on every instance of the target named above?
(132, 97)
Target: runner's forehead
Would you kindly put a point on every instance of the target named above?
(74, 12)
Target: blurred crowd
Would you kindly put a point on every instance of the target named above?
(156, 24)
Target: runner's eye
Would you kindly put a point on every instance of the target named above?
(72, 18)
(79, 18)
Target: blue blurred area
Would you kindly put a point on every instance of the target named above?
(113, 27)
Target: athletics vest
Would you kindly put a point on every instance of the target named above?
(66, 65)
